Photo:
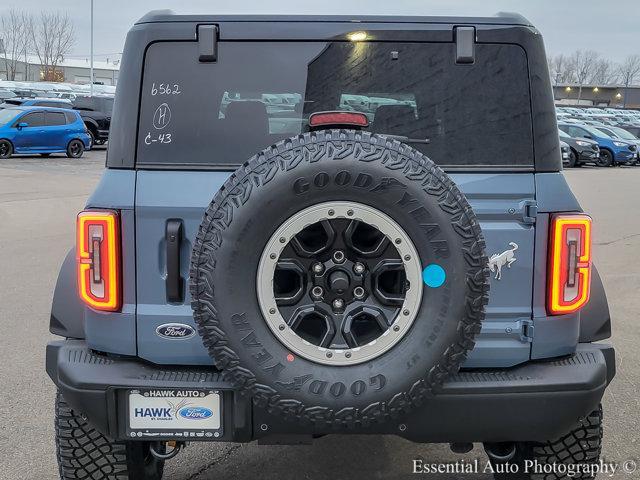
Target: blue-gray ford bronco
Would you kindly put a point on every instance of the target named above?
(326, 225)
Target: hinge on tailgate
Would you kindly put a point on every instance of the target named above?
(207, 43)
(526, 330)
(465, 38)
(529, 211)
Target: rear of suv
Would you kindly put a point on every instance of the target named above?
(312, 226)
(96, 114)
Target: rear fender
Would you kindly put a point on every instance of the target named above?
(595, 319)
(67, 310)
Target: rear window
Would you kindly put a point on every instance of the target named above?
(257, 93)
(55, 118)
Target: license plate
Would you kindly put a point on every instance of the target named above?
(565, 155)
(175, 413)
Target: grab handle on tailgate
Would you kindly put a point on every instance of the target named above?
(173, 281)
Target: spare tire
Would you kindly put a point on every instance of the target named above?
(338, 278)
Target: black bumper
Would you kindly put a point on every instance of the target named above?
(588, 155)
(102, 134)
(536, 401)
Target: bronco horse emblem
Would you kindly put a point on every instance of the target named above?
(505, 259)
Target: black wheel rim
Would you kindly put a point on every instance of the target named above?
(340, 284)
(75, 148)
(4, 149)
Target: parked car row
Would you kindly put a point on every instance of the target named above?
(602, 136)
(95, 111)
(51, 89)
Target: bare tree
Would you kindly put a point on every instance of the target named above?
(53, 36)
(561, 69)
(629, 70)
(15, 38)
(583, 63)
(604, 72)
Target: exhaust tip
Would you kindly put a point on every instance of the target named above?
(500, 452)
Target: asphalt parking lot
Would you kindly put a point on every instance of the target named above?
(39, 198)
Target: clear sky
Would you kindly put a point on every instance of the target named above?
(609, 27)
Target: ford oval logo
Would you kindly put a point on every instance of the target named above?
(195, 413)
(175, 331)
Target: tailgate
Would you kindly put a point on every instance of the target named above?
(164, 199)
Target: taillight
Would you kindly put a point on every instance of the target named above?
(98, 257)
(569, 263)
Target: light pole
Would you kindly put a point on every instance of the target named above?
(91, 70)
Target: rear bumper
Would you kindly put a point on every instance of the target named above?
(102, 134)
(536, 401)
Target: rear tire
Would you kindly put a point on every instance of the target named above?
(92, 135)
(75, 149)
(582, 445)
(606, 159)
(6, 149)
(84, 453)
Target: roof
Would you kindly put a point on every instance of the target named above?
(47, 99)
(26, 108)
(586, 86)
(75, 63)
(502, 18)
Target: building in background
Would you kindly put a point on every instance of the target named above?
(69, 70)
(597, 95)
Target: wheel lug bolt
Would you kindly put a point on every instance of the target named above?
(358, 268)
(316, 292)
(358, 292)
(318, 268)
(338, 303)
(338, 256)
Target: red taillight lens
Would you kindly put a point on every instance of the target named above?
(98, 257)
(338, 118)
(569, 263)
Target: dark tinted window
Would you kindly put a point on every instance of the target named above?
(35, 119)
(55, 118)
(83, 103)
(71, 117)
(574, 132)
(106, 105)
(261, 92)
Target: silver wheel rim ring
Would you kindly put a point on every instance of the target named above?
(328, 211)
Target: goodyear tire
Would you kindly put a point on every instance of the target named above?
(84, 453)
(307, 171)
(581, 446)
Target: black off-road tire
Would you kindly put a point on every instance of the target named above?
(92, 136)
(278, 183)
(582, 445)
(606, 159)
(84, 453)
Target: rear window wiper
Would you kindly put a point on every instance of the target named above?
(405, 139)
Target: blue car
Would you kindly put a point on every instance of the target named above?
(41, 130)
(37, 102)
(613, 151)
